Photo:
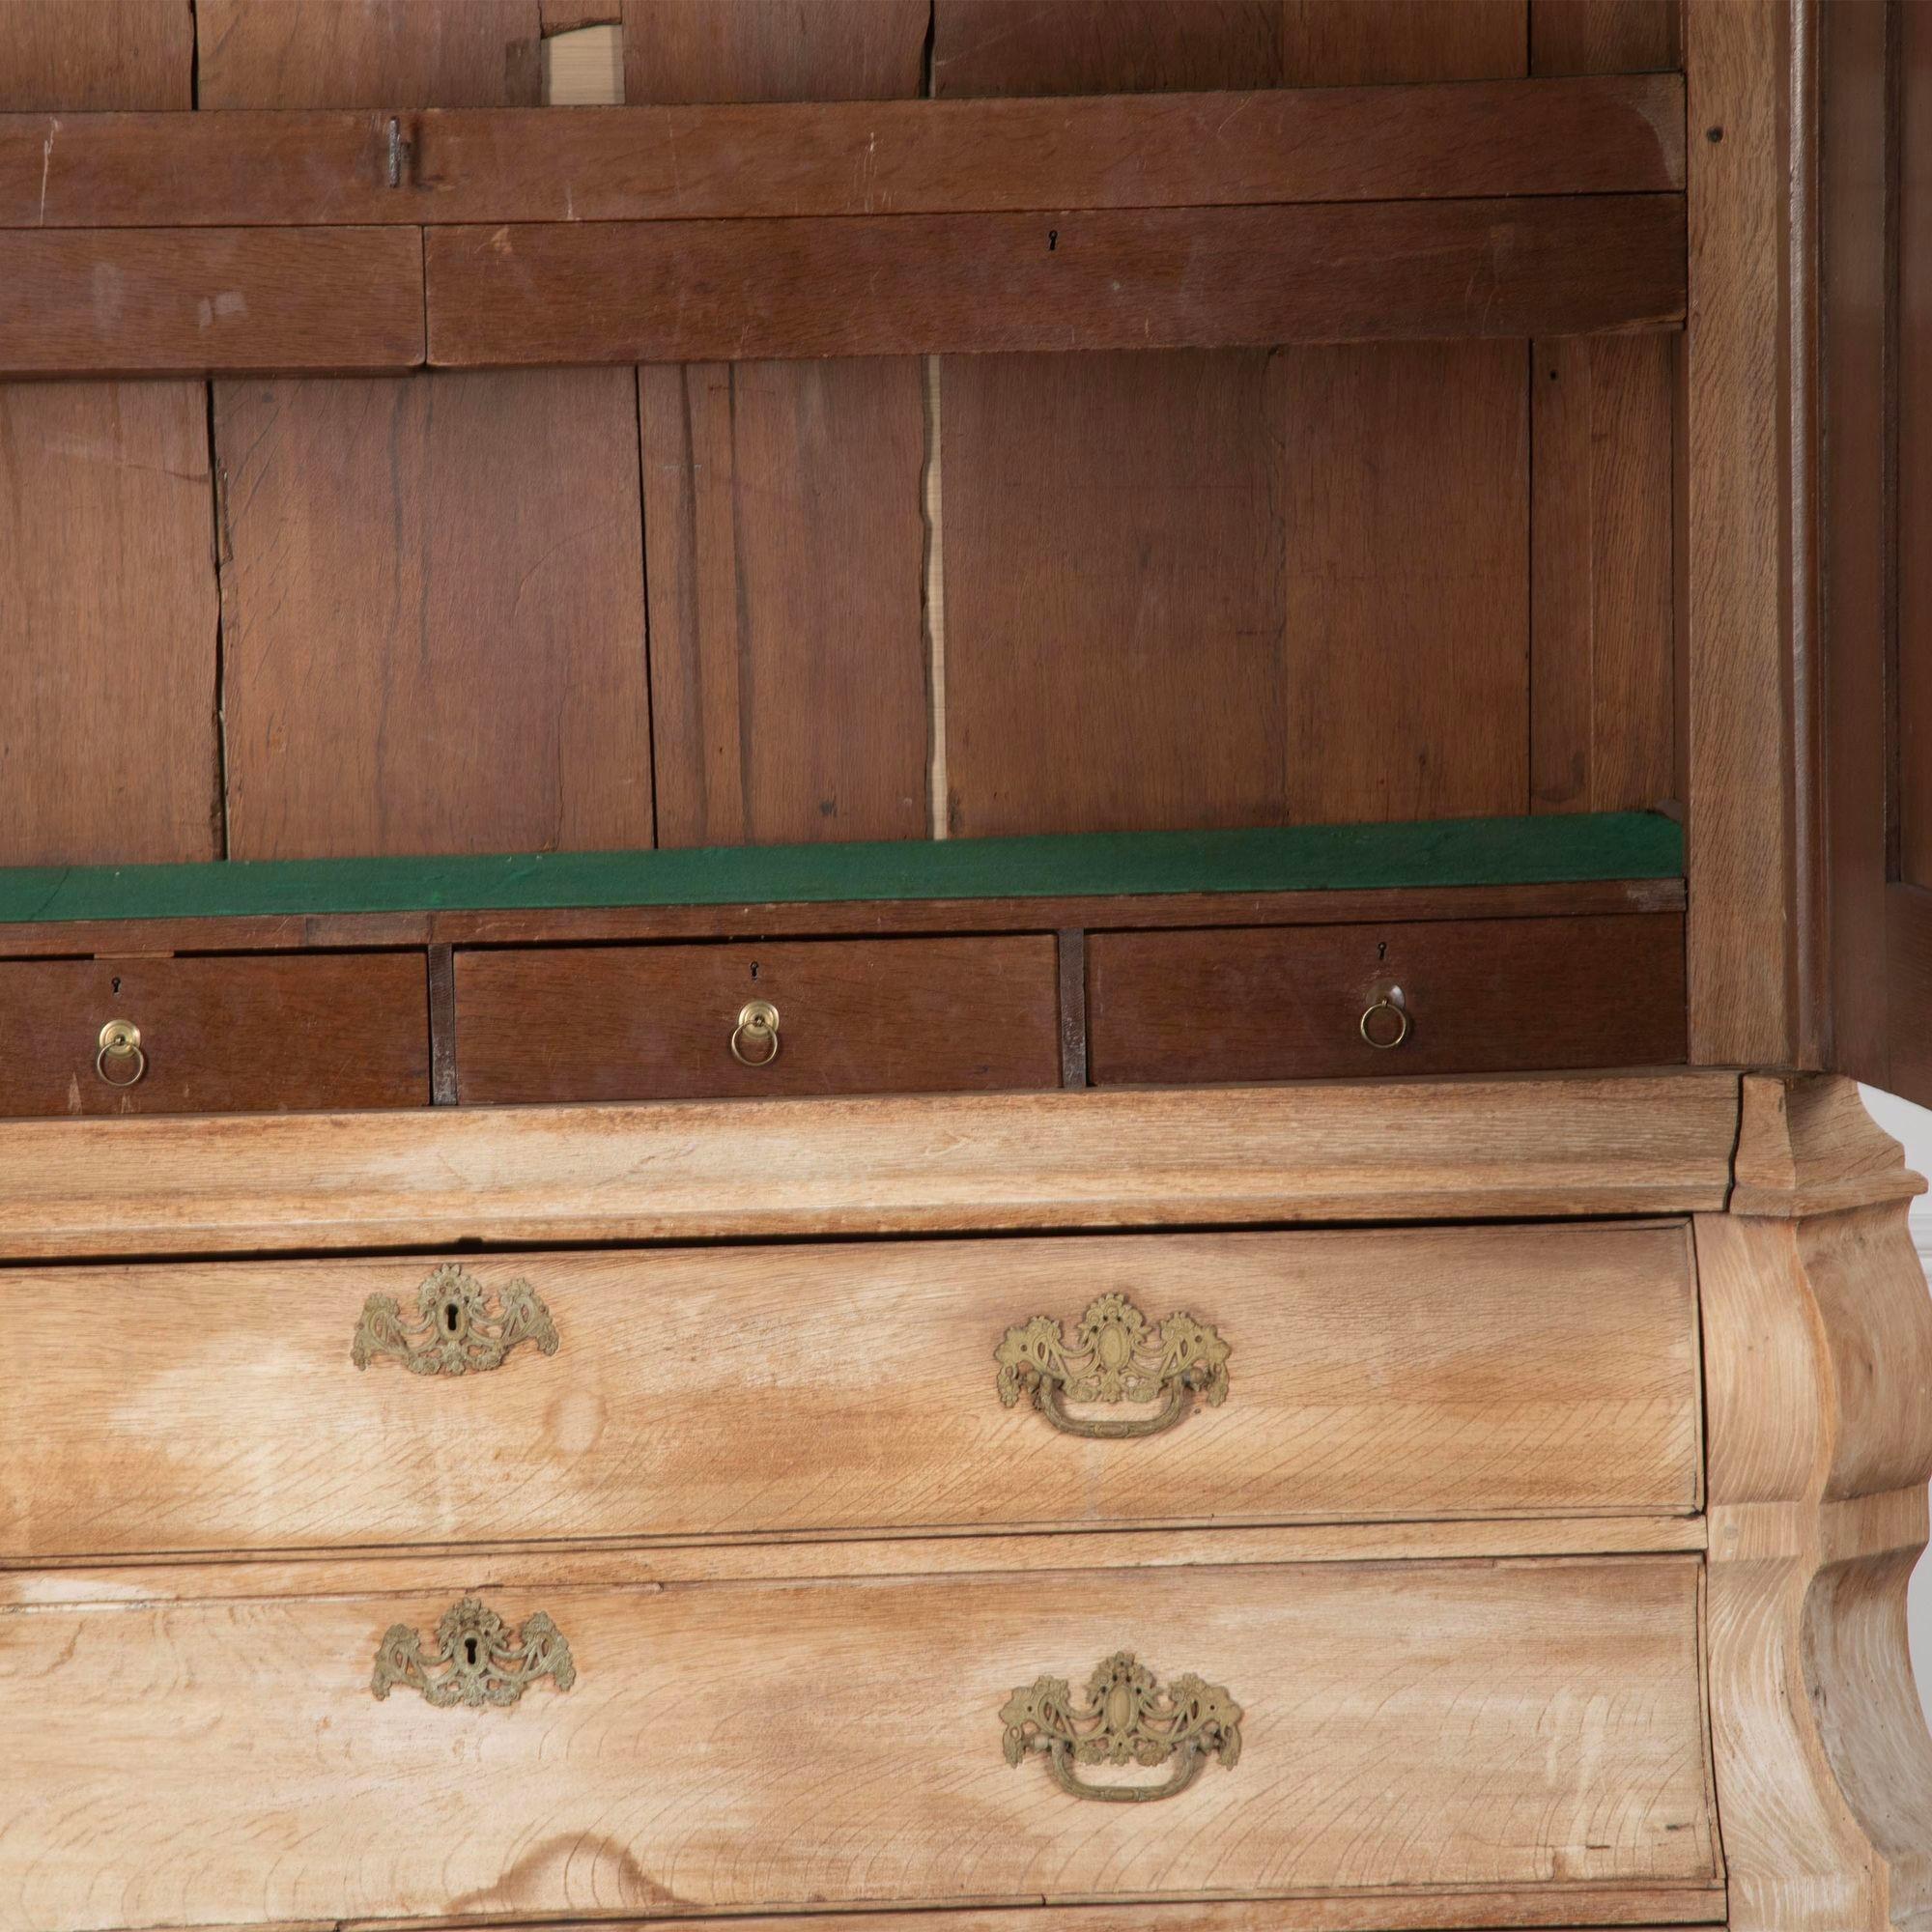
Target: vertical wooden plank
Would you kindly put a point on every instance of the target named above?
(1602, 612)
(370, 53)
(1914, 776)
(1072, 958)
(1113, 530)
(1112, 593)
(433, 606)
(1405, 475)
(1603, 655)
(783, 499)
(108, 740)
(433, 595)
(1745, 820)
(1605, 36)
(1405, 479)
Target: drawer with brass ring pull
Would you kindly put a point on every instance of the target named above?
(743, 1729)
(1420, 997)
(265, 1033)
(888, 1386)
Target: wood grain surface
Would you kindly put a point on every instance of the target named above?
(108, 739)
(1605, 36)
(766, 50)
(288, 1032)
(1912, 453)
(300, 167)
(527, 294)
(841, 1745)
(432, 615)
(795, 1389)
(1290, 1003)
(656, 1023)
(1456, 1150)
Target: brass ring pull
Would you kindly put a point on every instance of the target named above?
(1112, 1356)
(120, 1046)
(477, 1658)
(1386, 1003)
(757, 1021)
(1127, 1718)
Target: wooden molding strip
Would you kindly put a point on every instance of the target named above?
(1343, 1152)
(545, 294)
(1594, 136)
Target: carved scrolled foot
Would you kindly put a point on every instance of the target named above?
(1818, 1345)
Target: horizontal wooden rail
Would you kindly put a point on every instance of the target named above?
(1599, 135)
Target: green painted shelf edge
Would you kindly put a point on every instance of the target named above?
(1561, 848)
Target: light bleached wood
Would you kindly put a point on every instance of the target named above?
(582, 67)
(1435, 1150)
(1354, 1911)
(803, 1388)
(1818, 1336)
(762, 1745)
(640, 1563)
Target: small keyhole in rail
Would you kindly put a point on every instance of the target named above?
(1381, 949)
(449, 1315)
(755, 968)
(470, 1648)
(1052, 239)
(117, 982)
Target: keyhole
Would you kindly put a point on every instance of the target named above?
(1381, 949)
(1052, 239)
(470, 1648)
(755, 968)
(117, 982)
(449, 1315)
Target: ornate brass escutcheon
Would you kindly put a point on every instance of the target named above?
(456, 1331)
(478, 1659)
(1112, 1356)
(1127, 1718)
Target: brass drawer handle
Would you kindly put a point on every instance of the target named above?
(1127, 1718)
(1376, 1029)
(477, 1658)
(1112, 1356)
(458, 1332)
(757, 1026)
(120, 1047)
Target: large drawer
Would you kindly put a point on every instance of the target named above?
(674, 1022)
(276, 1032)
(1444, 996)
(884, 1386)
(1457, 1734)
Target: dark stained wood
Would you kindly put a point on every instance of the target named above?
(568, 16)
(895, 1016)
(289, 168)
(1605, 36)
(1913, 434)
(1602, 618)
(688, 291)
(788, 682)
(783, 501)
(1290, 1003)
(1072, 945)
(1355, 42)
(398, 53)
(170, 302)
(1405, 486)
(1113, 535)
(1111, 529)
(773, 49)
(1908, 991)
(578, 925)
(433, 613)
(108, 745)
(108, 741)
(1749, 822)
(92, 56)
(272, 1035)
(1858, 132)
(443, 1026)
(1102, 46)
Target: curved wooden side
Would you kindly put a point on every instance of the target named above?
(1818, 1342)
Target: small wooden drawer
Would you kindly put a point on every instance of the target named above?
(274, 1032)
(674, 1022)
(888, 1386)
(764, 1735)
(1321, 1002)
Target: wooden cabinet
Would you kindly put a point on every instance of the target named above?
(275, 1033)
(676, 1022)
(1448, 996)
